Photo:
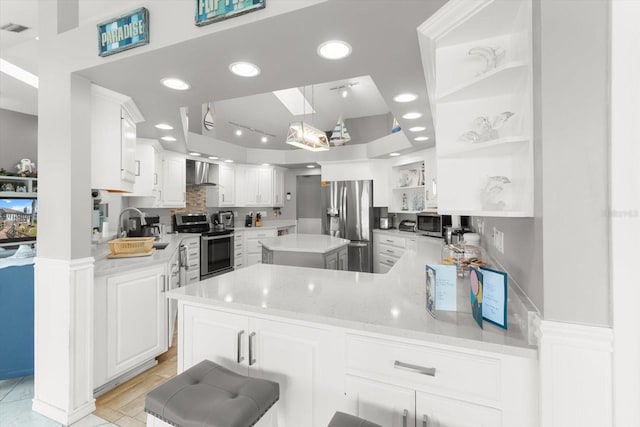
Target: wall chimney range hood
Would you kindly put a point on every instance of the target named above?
(198, 173)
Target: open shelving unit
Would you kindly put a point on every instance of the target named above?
(18, 187)
(484, 161)
(408, 184)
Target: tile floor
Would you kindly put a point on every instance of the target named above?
(15, 407)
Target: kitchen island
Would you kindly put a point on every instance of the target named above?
(306, 250)
(363, 343)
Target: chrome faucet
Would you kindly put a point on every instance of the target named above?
(122, 232)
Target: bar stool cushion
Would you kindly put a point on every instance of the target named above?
(210, 395)
(340, 419)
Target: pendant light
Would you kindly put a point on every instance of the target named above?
(303, 135)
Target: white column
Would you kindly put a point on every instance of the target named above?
(625, 208)
(64, 267)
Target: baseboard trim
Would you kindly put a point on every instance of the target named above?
(575, 375)
(63, 417)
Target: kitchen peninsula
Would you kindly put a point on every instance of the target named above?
(306, 250)
(352, 340)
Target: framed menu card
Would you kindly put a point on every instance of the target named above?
(494, 302)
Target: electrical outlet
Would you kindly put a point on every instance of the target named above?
(480, 225)
(263, 214)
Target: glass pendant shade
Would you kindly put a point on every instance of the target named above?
(340, 134)
(303, 135)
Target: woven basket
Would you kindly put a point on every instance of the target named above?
(131, 245)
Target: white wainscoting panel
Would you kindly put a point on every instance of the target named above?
(64, 339)
(575, 375)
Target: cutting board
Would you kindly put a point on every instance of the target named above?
(151, 252)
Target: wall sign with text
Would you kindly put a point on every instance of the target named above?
(209, 11)
(124, 32)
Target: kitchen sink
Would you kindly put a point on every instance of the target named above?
(160, 245)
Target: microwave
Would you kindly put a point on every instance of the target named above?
(432, 224)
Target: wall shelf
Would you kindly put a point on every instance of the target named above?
(28, 186)
(492, 178)
(496, 82)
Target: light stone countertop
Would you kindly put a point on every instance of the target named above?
(266, 225)
(308, 243)
(104, 265)
(392, 304)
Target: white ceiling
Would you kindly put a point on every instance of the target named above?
(385, 61)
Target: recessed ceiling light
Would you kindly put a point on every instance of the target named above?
(405, 97)
(244, 69)
(164, 126)
(176, 84)
(411, 116)
(264, 139)
(417, 129)
(238, 132)
(311, 166)
(194, 154)
(334, 49)
(228, 161)
(421, 138)
(168, 138)
(37, 37)
(214, 157)
(394, 154)
(265, 164)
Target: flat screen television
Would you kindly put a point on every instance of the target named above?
(18, 220)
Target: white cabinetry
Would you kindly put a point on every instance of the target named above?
(240, 252)
(190, 247)
(173, 193)
(227, 184)
(162, 178)
(131, 321)
(278, 187)
(253, 247)
(478, 68)
(254, 185)
(113, 140)
(301, 359)
(148, 162)
(387, 250)
(394, 383)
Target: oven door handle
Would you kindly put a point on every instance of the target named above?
(225, 236)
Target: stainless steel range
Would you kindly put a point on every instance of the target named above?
(216, 247)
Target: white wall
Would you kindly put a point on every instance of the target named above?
(18, 138)
(574, 62)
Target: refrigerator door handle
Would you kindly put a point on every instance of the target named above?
(358, 244)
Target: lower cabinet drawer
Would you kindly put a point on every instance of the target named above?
(386, 250)
(386, 239)
(382, 267)
(193, 277)
(462, 374)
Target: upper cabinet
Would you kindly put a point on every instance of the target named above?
(477, 56)
(113, 140)
(278, 187)
(161, 177)
(254, 185)
(227, 184)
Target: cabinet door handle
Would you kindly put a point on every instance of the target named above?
(405, 416)
(390, 251)
(415, 368)
(239, 356)
(164, 283)
(390, 241)
(425, 421)
(252, 351)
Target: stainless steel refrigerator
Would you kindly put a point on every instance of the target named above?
(347, 212)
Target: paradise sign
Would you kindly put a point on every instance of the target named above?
(209, 11)
(124, 32)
